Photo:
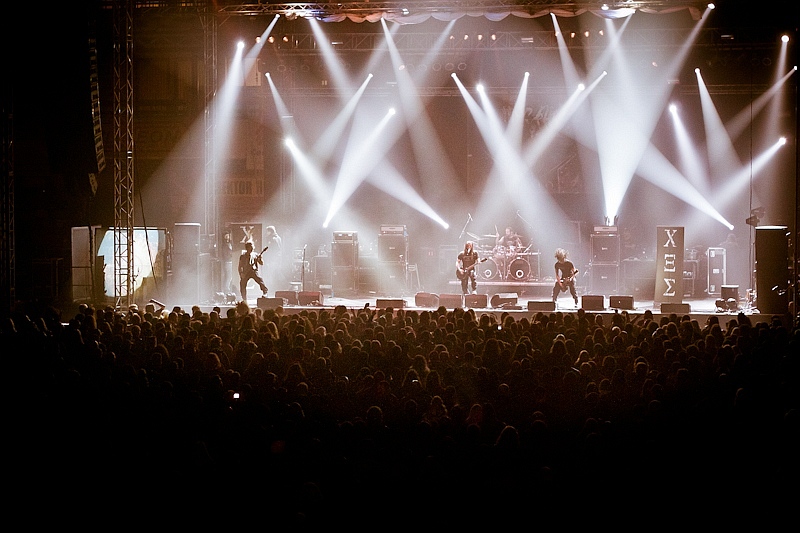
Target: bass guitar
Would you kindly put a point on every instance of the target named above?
(463, 273)
(564, 282)
(257, 259)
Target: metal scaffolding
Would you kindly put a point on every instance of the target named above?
(123, 153)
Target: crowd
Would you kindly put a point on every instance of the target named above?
(386, 415)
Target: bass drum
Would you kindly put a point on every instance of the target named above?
(519, 270)
(487, 270)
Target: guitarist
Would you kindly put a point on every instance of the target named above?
(565, 276)
(465, 268)
(248, 269)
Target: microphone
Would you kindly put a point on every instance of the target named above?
(469, 215)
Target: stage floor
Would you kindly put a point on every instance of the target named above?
(517, 304)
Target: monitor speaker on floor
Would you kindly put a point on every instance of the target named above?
(426, 299)
(310, 298)
(270, 303)
(394, 303)
(544, 305)
(451, 301)
(289, 296)
(620, 302)
(680, 309)
(476, 301)
(592, 302)
(504, 299)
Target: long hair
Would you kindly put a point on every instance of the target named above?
(468, 247)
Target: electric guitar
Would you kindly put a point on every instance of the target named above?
(566, 280)
(462, 273)
(254, 263)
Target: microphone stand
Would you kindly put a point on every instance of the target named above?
(303, 271)
(469, 218)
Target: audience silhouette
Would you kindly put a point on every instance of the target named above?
(334, 415)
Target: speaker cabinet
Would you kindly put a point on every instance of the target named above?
(592, 302)
(451, 301)
(620, 302)
(679, 309)
(344, 279)
(605, 248)
(730, 291)
(394, 303)
(716, 270)
(289, 296)
(270, 303)
(322, 270)
(310, 298)
(344, 254)
(504, 299)
(476, 301)
(393, 248)
(772, 269)
(392, 278)
(544, 305)
(426, 299)
(605, 278)
(186, 238)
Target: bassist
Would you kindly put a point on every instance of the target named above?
(248, 269)
(465, 268)
(565, 276)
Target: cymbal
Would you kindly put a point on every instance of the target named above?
(475, 237)
(490, 236)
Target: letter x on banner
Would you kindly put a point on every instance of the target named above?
(669, 265)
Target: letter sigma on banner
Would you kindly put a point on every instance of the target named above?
(669, 265)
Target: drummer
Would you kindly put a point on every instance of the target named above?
(510, 240)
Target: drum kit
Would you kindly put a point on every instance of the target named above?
(503, 263)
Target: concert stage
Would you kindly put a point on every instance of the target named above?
(527, 301)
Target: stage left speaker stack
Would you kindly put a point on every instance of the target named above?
(605, 260)
(392, 259)
(344, 263)
(185, 267)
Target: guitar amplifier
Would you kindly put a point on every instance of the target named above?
(388, 229)
(345, 236)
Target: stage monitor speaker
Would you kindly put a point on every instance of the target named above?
(679, 309)
(451, 301)
(621, 302)
(289, 296)
(476, 301)
(394, 303)
(730, 291)
(544, 305)
(593, 302)
(426, 299)
(310, 298)
(504, 299)
(270, 303)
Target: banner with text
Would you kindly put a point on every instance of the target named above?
(669, 265)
